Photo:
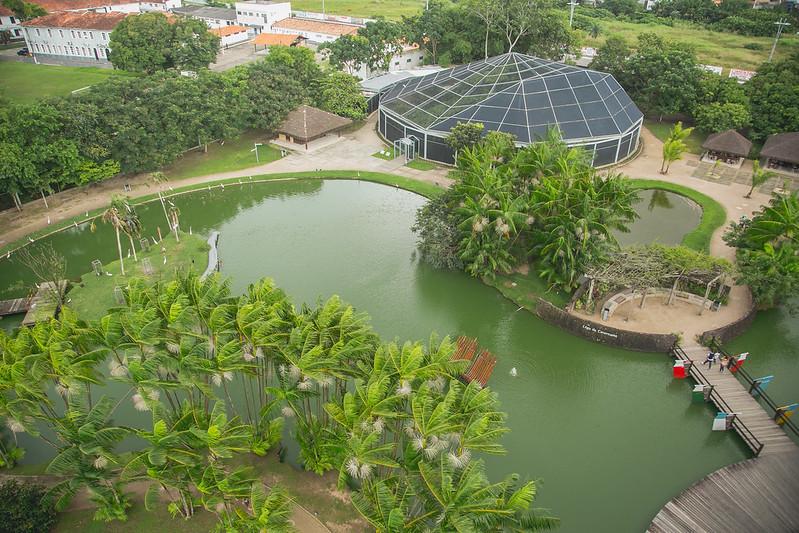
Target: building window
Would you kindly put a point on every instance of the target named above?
(49, 33)
(61, 33)
(16, 32)
(91, 34)
(37, 32)
(73, 33)
(13, 21)
(408, 61)
(396, 63)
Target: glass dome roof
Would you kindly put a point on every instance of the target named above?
(518, 94)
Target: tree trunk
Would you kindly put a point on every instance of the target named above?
(488, 29)
(751, 190)
(175, 226)
(133, 246)
(163, 205)
(17, 202)
(119, 249)
(662, 166)
(44, 198)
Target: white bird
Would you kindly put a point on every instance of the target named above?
(513, 372)
(128, 253)
(164, 259)
(48, 220)
(30, 239)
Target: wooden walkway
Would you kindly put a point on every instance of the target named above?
(760, 494)
(42, 304)
(15, 306)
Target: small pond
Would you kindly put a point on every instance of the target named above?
(610, 433)
(665, 218)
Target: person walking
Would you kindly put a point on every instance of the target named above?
(723, 363)
(709, 360)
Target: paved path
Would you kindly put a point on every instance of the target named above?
(760, 494)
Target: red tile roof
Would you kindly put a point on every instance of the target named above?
(224, 31)
(5, 12)
(55, 6)
(316, 26)
(85, 20)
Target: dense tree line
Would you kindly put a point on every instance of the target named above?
(664, 79)
(221, 375)
(543, 203)
(459, 32)
(141, 123)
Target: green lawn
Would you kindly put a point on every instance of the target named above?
(713, 213)
(95, 294)
(235, 154)
(526, 288)
(390, 9)
(25, 82)
(380, 155)
(661, 131)
(421, 164)
(712, 48)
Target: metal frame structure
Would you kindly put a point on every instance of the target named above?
(517, 94)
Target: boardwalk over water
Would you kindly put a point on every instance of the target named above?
(760, 494)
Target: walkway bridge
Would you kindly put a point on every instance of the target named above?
(760, 494)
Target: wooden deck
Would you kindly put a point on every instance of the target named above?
(480, 368)
(42, 305)
(15, 306)
(760, 494)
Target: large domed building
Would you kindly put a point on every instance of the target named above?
(517, 94)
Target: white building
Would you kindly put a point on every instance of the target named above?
(315, 31)
(230, 35)
(261, 15)
(156, 5)
(82, 35)
(10, 23)
(214, 17)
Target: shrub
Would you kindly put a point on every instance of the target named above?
(25, 509)
(753, 46)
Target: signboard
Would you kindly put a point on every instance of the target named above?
(711, 68)
(741, 75)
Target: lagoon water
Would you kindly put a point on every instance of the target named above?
(609, 433)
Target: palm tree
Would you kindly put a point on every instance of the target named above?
(266, 511)
(759, 177)
(672, 151)
(114, 215)
(779, 221)
(132, 225)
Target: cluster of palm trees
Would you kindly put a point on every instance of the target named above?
(123, 218)
(223, 376)
(544, 202)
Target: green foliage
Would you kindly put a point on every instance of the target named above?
(612, 56)
(768, 251)
(24, 508)
(715, 117)
(674, 146)
(350, 52)
(340, 93)
(543, 202)
(150, 42)
(774, 96)
(464, 135)
(622, 7)
(661, 76)
(24, 10)
(383, 41)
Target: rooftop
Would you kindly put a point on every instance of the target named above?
(203, 12)
(517, 94)
(729, 141)
(84, 20)
(224, 31)
(5, 12)
(308, 122)
(273, 39)
(55, 6)
(317, 26)
(782, 146)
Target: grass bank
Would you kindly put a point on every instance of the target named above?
(712, 48)
(423, 188)
(26, 82)
(661, 130)
(713, 214)
(390, 9)
(94, 295)
(234, 154)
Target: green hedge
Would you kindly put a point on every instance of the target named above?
(713, 214)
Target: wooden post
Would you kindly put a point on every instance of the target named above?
(704, 302)
(643, 298)
(590, 294)
(673, 290)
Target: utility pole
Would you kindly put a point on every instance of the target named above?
(572, 5)
(780, 26)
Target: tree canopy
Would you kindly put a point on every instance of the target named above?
(150, 42)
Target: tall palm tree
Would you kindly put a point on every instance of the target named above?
(131, 225)
(759, 177)
(114, 215)
(672, 151)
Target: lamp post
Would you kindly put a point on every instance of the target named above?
(572, 5)
(256, 145)
(780, 26)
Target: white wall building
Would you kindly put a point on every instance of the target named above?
(411, 57)
(97, 6)
(83, 35)
(214, 17)
(260, 15)
(230, 35)
(315, 31)
(10, 23)
(156, 5)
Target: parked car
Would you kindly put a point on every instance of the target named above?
(23, 52)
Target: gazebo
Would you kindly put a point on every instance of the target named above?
(307, 123)
(728, 147)
(781, 152)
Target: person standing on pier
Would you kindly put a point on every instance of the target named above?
(723, 362)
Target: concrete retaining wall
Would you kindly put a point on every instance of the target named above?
(726, 333)
(630, 340)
